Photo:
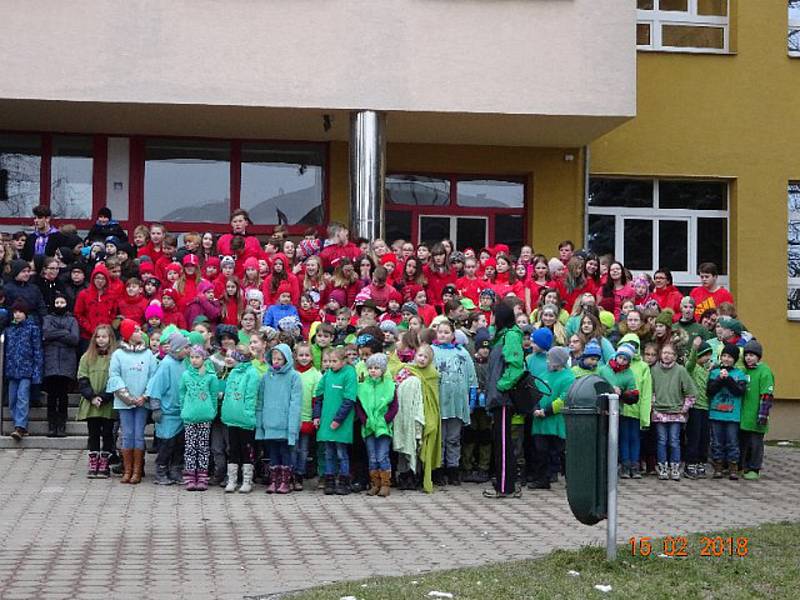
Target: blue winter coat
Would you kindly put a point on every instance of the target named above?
(164, 393)
(32, 296)
(280, 398)
(23, 358)
(130, 368)
(277, 311)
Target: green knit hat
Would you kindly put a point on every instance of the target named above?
(665, 317)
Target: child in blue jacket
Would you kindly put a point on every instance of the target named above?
(726, 386)
(23, 365)
(280, 398)
(284, 307)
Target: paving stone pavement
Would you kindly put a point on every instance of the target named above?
(64, 536)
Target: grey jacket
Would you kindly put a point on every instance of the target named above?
(61, 336)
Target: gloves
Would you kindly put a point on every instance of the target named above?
(157, 415)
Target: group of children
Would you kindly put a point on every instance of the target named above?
(368, 365)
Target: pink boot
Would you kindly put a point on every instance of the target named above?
(274, 479)
(103, 470)
(94, 460)
(190, 480)
(201, 484)
(285, 485)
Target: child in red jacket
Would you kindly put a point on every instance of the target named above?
(132, 303)
(170, 301)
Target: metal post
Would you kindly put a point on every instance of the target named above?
(367, 173)
(613, 448)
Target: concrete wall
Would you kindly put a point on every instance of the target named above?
(542, 57)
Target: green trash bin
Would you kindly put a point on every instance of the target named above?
(585, 413)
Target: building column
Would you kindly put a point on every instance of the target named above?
(367, 173)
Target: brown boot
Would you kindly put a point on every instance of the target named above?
(734, 471)
(127, 465)
(386, 482)
(138, 465)
(375, 483)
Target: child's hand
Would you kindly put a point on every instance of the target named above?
(538, 413)
(316, 423)
(617, 390)
(697, 341)
(334, 425)
(723, 374)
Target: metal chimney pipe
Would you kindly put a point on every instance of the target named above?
(367, 173)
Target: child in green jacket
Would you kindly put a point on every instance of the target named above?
(697, 426)
(310, 376)
(198, 394)
(620, 376)
(756, 405)
(239, 415)
(376, 409)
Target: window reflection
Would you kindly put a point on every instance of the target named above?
(491, 193)
(417, 190)
(71, 171)
(20, 167)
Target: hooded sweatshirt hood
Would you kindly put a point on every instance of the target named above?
(287, 354)
(633, 340)
(100, 269)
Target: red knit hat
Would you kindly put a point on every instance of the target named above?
(126, 328)
(173, 267)
(211, 261)
(389, 258)
(171, 293)
(145, 268)
(251, 263)
(284, 288)
(490, 262)
(191, 259)
(500, 249)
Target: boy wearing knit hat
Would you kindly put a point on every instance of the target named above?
(726, 386)
(687, 321)
(756, 404)
(164, 393)
(476, 447)
(540, 340)
(587, 363)
(548, 428)
(619, 375)
(23, 364)
(283, 307)
(697, 427)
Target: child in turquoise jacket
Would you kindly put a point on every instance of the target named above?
(198, 392)
(280, 398)
(726, 386)
(620, 376)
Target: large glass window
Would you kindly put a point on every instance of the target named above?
(20, 174)
(793, 38)
(793, 252)
(187, 181)
(653, 223)
(489, 193)
(283, 184)
(683, 25)
(71, 177)
(417, 190)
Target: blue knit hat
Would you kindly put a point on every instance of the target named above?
(543, 338)
(592, 349)
(627, 350)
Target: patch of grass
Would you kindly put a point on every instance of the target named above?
(771, 570)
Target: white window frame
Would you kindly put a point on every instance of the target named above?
(657, 18)
(454, 225)
(793, 24)
(655, 213)
(792, 282)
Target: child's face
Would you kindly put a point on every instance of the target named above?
(703, 360)
(352, 356)
(196, 360)
(209, 294)
(154, 343)
(641, 289)
(285, 298)
(133, 289)
(257, 346)
(305, 303)
(540, 270)
(483, 352)
(575, 345)
(173, 276)
(389, 338)
(248, 322)
(336, 363)
(375, 372)
(414, 323)
(661, 329)
(99, 281)
(231, 288)
(393, 305)
(490, 272)
(364, 352)
(650, 355)
(228, 344)
(102, 339)
(485, 302)
(548, 318)
(522, 320)
(303, 356)
(622, 360)
(136, 337)
(470, 267)
(423, 253)
(154, 322)
(19, 316)
(204, 331)
(253, 303)
(278, 359)
(251, 273)
(627, 306)
(421, 298)
(527, 343)
(446, 297)
(422, 358)
(341, 322)
(368, 314)
(521, 271)
(323, 339)
(591, 362)
(750, 360)
(687, 312)
(169, 250)
(726, 360)
(667, 355)
(111, 249)
(525, 253)
(211, 272)
(156, 235)
(139, 239)
(444, 334)
(150, 287)
(77, 277)
(167, 302)
(227, 270)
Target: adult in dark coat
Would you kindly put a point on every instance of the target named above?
(20, 287)
(44, 239)
(104, 227)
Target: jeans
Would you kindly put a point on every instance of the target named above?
(280, 453)
(725, 441)
(378, 452)
(19, 398)
(451, 442)
(132, 421)
(171, 450)
(301, 453)
(669, 433)
(751, 450)
(546, 457)
(629, 440)
(336, 451)
(697, 437)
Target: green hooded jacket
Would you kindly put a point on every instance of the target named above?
(374, 397)
(241, 395)
(644, 383)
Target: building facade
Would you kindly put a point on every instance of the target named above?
(659, 130)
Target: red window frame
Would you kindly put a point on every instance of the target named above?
(99, 175)
(452, 209)
(137, 168)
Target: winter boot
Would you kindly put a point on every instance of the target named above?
(690, 472)
(285, 480)
(52, 428)
(663, 471)
(734, 471)
(274, 476)
(127, 465)
(162, 476)
(61, 427)
(675, 471)
(247, 479)
(233, 476)
(103, 472)
(454, 476)
(189, 480)
(386, 482)
(375, 483)
(625, 471)
(201, 481)
(701, 470)
(717, 470)
(298, 482)
(94, 459)
(330, 485)
(343, 485)
(138, 465)
(635, 472)
(438, 477)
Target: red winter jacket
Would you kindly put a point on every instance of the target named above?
(669, 297)
(94, 307)
(332, 254)
(436, 283)
(173, 316)
(132, 307)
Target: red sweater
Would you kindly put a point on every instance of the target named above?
(132, 307)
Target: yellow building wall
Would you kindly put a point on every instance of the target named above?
(555, 184)
(733, 116)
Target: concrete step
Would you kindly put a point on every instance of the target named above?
(75, 442)
(40, 427)
(39, 413)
